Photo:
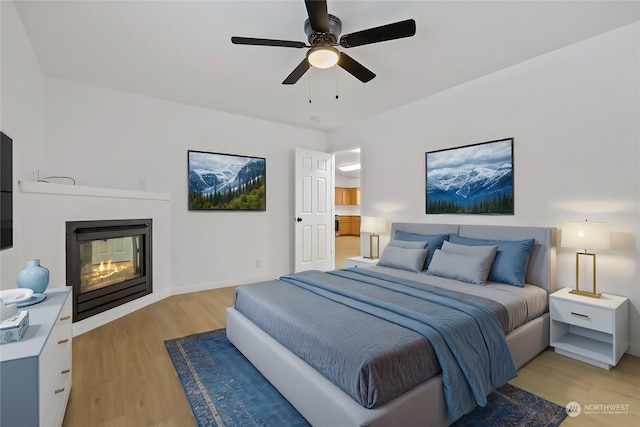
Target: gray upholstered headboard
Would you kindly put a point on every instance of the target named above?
(541, 269)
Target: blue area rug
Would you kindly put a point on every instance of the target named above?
(224, 390)
(512, 406)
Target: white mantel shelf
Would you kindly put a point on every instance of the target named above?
(78, 190)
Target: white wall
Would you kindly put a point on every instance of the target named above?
(109, 139)
(45, 216)
(106, 138)
(22, 119)
(574, 114)
(342, 181)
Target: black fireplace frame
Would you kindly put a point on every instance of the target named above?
(90, 303)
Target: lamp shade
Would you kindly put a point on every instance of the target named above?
(585, 235)
(373, 224)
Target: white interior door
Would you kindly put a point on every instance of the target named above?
(314, 222)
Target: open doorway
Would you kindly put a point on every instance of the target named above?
(347, 184)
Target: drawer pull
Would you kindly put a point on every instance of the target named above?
(65, 318)
(58, 391)
(64, 341)
(66, 371)
(580, 314)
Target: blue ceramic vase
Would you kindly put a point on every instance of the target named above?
(34, 276)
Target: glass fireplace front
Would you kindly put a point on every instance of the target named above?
(108, 263)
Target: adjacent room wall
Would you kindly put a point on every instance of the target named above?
(574, 114)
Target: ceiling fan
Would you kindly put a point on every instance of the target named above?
(322, 31)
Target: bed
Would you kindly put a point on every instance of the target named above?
(258, 325)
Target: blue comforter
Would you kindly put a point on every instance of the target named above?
(465, 332)
(467, 338)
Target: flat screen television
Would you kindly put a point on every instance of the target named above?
(6, 192)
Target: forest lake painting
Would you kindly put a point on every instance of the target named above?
(473, 179)
(220, 181)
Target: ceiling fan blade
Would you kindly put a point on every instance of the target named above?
(297, 73)
(358, 70)
(383, 33)
(266, 42)
(318, 15)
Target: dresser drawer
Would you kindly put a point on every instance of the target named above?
(34, 368)
(596, 318)
(55, 366)
(55, 370)
(53, 407)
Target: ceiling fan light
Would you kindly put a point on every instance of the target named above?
(323, 56)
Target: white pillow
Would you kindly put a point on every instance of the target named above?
(487, 252)
(466, 268)
(403, 258)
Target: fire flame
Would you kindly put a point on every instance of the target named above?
(108, 270)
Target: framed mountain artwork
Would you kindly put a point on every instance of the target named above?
(472, 179)
(220, 181)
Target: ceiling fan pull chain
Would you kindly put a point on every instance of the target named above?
(309, 80)
(337, 92)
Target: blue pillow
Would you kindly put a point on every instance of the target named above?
(434, 241)
(510, 263)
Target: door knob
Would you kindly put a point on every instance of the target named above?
(299, 219)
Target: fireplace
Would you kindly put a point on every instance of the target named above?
(108, 263)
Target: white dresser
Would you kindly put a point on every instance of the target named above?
(36, 371)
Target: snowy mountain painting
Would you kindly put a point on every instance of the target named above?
(471, 179)
(226, 181)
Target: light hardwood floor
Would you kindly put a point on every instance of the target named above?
(122, 374)
(346, 247)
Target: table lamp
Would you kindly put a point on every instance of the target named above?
(586, 235)
(373, 225)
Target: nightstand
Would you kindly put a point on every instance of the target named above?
(591, 330)
(359, 261)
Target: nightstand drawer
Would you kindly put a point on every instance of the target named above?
(590, 317)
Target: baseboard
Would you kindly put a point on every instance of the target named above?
(216, 285)
(199, 288)
(634, 350)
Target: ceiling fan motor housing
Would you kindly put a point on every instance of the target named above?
(330, 38)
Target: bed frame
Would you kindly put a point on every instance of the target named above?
(324, 404)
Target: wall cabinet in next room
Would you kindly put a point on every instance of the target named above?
(347, 196)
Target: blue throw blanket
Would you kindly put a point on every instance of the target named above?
(466, 336)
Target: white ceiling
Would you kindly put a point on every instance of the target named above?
(181, 50)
